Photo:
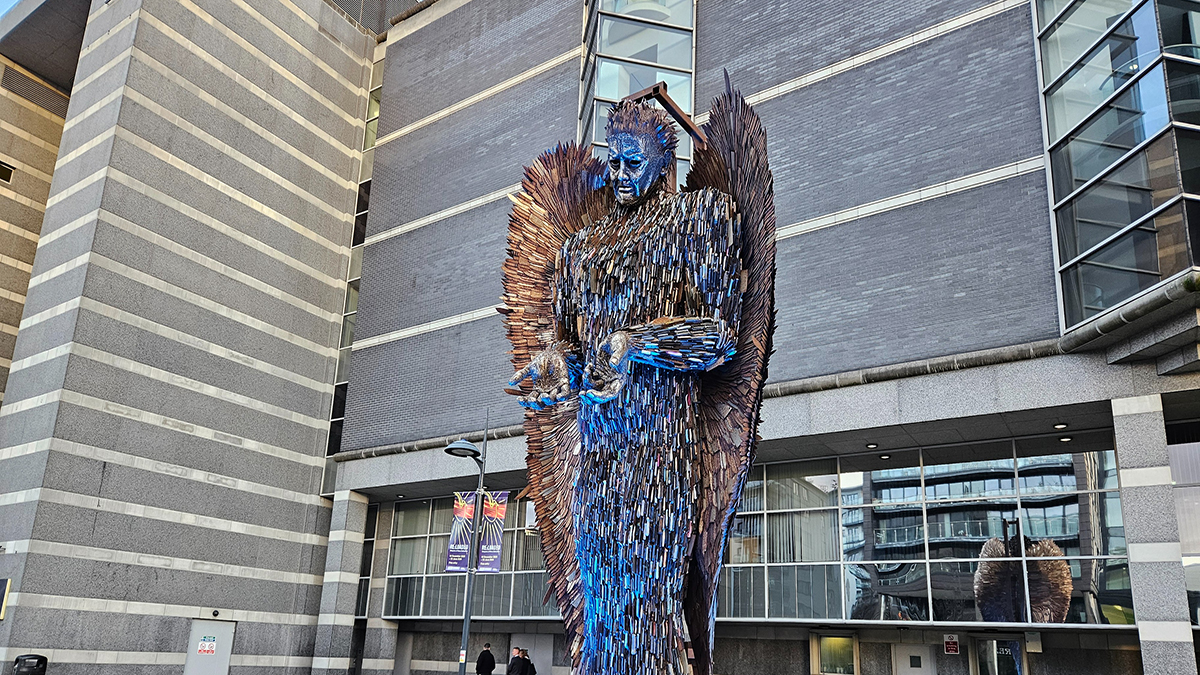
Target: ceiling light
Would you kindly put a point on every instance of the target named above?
(885, 457)
(399, 496)
(872, 446)
(1060, 425)
(1065, 439)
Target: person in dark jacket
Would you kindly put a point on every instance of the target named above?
(516, 665)
(486, 663)
(530, 669)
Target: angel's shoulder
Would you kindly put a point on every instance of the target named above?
(705, 200)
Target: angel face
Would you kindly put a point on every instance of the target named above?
(635, 163)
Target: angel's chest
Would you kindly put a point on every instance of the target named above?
(616, 269)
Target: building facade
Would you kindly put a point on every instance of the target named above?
(264, 300)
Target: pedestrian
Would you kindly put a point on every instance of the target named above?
(530, 669)
(486, 663)
(516, 666)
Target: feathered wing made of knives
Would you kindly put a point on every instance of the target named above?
(641, 323)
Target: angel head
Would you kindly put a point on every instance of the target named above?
(641, 150)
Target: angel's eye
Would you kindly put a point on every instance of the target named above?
(635, 163)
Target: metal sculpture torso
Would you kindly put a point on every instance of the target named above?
(641, 321)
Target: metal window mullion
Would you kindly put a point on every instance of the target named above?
(1108, 32)
(1074, 128)
(1111, 168)
(1124, 302)
(639, 62)
(1151, 215)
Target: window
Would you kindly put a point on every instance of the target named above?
(418, 584)
(834, 654)
(998, 657)
(6, 172)
(368, 559)
(900, 536)
(631, 46)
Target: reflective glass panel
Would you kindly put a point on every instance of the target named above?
(1191, 576)
(742, 592)
(1067, 472)
(646, 42)
(953, 586)
(1189, 159)
(1126, 266)
(364, 594)
(805, 591)
(988, 474)
(675, 12)
(528, 546)
(960, 529)
(1113, 62)
(1088, 523)
(600, 121)
(871, 479)
(351, 297)
(377, 74)
(408, 556)
(1187, 510)
(445, 595)
(373, 104)
(805, 536)
(343, 366)
(372, 131)
(355, 263)
(368, 556)
(410, 518)
(368, 165)
(1184, 83)
(752, 493)
(491, 594)
(745, 540)
(348, 329)
(1100, 591)
(438, 547)
(1075, 31)
(335, 438)
(998, 657)
(616, 80)
(888, 533)
(1048, 9)
(888, 592)
(1180, 27)
(1134, 116)
(443, 516)
(1139, 185)
(402, 597)
(529, 589)
(836, 655)
(799, 485)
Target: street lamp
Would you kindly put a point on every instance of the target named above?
(464, 448)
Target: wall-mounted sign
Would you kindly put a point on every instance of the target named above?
(950, 643)
(208, 645)
(5, 587)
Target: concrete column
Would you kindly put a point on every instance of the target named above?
(339, 593)
(1155, 562)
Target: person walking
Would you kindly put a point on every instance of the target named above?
(486, 663)
(516, 665)
(530, 669)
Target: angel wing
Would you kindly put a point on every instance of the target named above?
(559, 195)
(734, 161)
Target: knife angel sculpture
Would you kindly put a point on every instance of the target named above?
(640, 318)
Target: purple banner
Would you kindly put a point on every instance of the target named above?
(492, 536)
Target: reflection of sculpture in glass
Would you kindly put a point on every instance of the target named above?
(641, 322)
(1000, 592)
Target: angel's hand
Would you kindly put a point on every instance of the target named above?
(551, 379)
(605, 377)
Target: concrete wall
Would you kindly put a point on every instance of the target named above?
(162, 443)
(32, 126)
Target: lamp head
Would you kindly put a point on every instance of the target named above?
(463, 448)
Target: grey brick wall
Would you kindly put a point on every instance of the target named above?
(476, 46)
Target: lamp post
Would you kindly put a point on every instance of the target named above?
(464, 448)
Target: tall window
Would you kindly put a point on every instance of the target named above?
(1122, 99)
(419, 585)
(631, 45)
(899, 536)
(353, 276)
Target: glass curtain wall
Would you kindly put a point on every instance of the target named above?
(920, 535)
(353, 275)
(1122, 98)
(419, 586)
(631, 45)
(1185, 472)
